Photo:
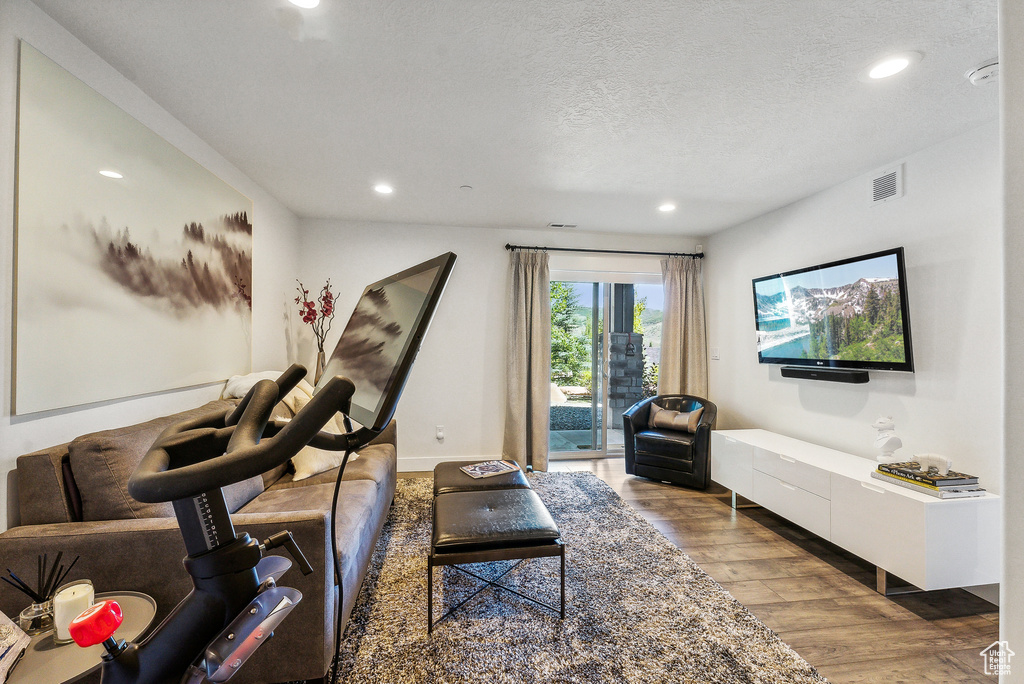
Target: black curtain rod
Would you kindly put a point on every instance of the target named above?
(698, 255)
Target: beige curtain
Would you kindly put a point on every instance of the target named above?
(684, 353)
(528, 360)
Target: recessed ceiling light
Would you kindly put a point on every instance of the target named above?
(383, 188)
(110, 174)
(305, 4)
(889, 66)
(668, 206)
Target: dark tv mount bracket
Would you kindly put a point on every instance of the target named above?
(856, 377)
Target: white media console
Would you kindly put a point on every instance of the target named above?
(929, 542)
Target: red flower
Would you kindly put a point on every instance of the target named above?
(320, 320)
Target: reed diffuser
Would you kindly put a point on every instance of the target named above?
(38, 617)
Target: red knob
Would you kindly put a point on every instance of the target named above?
(96, 624)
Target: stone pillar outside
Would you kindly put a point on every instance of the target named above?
(625, 373)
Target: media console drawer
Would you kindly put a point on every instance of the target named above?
(788, 469)
(931, 543)
(881, 526)
(806, 509)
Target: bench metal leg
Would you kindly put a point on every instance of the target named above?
(490, 583)
(430, 594)
(562, 593)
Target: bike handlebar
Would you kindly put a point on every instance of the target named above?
(212, 451)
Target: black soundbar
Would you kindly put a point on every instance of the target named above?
(829, 374)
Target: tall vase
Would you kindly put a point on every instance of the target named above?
(321, 361)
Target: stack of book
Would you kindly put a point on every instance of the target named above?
(952, 485)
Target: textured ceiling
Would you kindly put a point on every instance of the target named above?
(590, 112)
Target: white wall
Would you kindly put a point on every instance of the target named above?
(949, 224)
(1011, 65)
(274, 241)
(458, 379)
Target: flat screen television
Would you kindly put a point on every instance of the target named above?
(381, 339)
(844, 314)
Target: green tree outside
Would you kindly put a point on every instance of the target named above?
(639, 306)
(570, 354)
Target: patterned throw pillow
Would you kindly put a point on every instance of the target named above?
(683, 421)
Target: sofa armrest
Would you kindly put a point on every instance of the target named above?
(145, 555)
(115, 555)
(389, 435)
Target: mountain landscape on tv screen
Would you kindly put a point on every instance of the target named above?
(862, 321)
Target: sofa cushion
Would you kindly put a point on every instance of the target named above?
(41, 494)
(102, 462)
(374, 463)
(280, 412)
(74, 496)
(310, 462)
(358, 504)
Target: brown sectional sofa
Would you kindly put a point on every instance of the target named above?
(73, 498)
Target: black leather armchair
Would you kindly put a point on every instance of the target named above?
(678, 457)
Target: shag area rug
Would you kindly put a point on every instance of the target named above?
(637, 608)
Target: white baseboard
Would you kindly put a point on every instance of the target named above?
(427, 463)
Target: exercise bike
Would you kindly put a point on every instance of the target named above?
(236, 602)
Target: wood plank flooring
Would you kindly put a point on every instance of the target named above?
(818, 598)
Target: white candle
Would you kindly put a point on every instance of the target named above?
(68, 603)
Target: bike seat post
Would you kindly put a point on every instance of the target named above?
(204, 521)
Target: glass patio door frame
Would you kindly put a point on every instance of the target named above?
(599, 355)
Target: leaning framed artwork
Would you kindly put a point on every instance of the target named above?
(133, 263)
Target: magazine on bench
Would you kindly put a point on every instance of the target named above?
(490, 468)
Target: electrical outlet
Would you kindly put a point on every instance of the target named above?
(439, 432)
(715, 356)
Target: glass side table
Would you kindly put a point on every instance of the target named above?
(45, 661)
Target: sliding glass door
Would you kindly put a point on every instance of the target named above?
(578, 384)
(605, 346)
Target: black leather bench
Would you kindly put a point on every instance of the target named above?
(488, 519)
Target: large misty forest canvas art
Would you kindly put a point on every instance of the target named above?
(133, 262)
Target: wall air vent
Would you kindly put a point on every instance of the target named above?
(561, 225)
(888, 186)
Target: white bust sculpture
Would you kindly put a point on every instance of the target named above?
(886, 440)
